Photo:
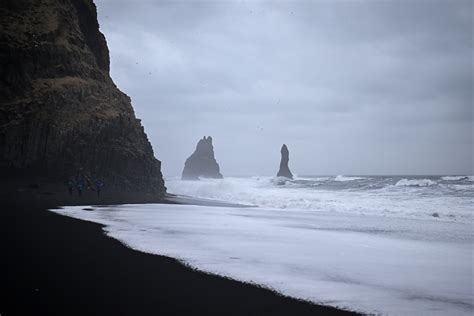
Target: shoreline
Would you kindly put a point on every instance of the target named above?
(86, 272)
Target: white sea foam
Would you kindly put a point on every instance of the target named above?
(457, 178)
(460, 187)
(346, 178)
(415, 182)
(453, 178)
(280, 180)
(366, 263)
(390, 200)
(313, 178)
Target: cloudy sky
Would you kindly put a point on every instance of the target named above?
(352, 87)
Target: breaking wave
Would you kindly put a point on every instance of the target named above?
(415, 182)
(346, 178)
(457, 178)
(386, 196)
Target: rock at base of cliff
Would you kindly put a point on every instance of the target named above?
(202, 162)
(284, 169)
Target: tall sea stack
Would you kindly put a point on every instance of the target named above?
(202, 162)
(284, 169)
(60, 111)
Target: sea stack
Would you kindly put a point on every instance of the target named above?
(61, 113)
(202, 162)
(284, 169)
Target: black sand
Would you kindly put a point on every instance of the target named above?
(55, 265)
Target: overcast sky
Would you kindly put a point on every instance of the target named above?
(352, 87)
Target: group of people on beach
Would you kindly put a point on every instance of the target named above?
(81, 182)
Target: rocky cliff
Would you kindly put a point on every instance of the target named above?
(202, 162)
(285, 158)
(60, 111)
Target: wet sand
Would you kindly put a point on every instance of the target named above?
(56, 265)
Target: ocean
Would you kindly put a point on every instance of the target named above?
(390, 245)
(447, 197)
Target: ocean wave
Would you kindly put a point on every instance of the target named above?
(281, 180)
(459, 187)
(456, 178)
(400, 200)
(312, 178)
(415, 183)
(346, 178)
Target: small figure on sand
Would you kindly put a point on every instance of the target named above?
(89, 184)
(80, 186)
(98, 185)
(70, 185)
(80, 183)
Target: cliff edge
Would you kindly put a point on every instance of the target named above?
(60, 111)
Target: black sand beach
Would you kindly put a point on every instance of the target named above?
(55, 265)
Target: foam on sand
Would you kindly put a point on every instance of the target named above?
(367, 263)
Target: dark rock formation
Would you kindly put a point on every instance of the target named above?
(284, 169)
(59, 109)
(202, 162)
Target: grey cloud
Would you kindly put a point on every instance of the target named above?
(353, 87)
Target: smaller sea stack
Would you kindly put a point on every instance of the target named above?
(202, 162)
(284, 169)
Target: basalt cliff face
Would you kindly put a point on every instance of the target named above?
(202, 162)
(285, 158)
(60, 111)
